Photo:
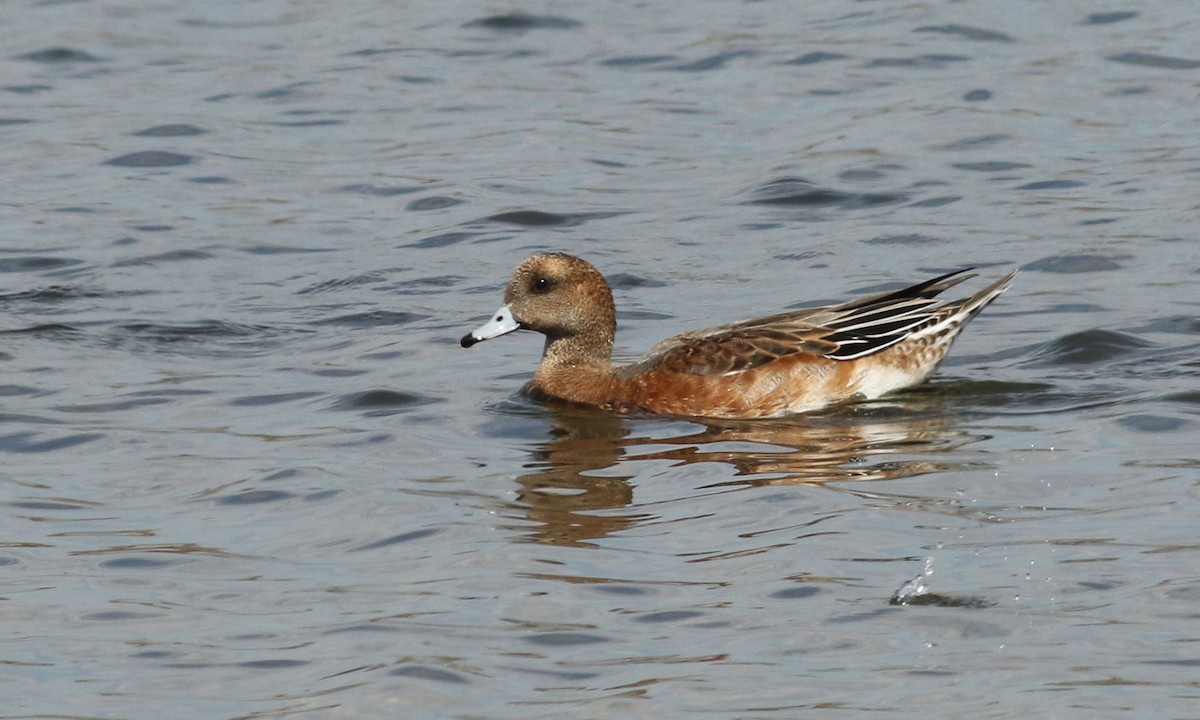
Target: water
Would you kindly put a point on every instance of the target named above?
(248, 472)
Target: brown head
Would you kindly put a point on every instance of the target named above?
(565, 299)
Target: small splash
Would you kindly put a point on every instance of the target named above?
(914, 588)
(917, 592)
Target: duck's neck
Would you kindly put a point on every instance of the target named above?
(576, 368)
(580, 349)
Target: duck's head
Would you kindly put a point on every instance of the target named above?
(560, 296)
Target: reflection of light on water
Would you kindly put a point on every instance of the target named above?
(914, 588)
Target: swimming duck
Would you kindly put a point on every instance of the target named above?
(792, 362)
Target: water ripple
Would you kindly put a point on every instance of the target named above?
(792, 191)
(519, 22)
(1088, 347)
(150, 159)
(1078, 263)
(538, 218)
(382, 402)
(966, 32)
(27, 442)
(1146, 59)
(59, 55)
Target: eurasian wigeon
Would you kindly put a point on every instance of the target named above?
(784, 364)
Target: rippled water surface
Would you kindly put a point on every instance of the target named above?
(247, 470)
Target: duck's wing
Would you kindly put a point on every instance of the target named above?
(841, 332)
(734, 348)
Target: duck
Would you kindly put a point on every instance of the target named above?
(789, 363)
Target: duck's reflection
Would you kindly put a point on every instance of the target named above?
(578, 490)
(563, 494)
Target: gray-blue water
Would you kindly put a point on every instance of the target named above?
(247, 471)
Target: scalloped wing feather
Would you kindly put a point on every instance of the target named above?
(734, 349)
(842, 332)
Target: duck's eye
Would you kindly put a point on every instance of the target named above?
(542, 284)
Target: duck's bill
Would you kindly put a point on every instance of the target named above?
(502, 323)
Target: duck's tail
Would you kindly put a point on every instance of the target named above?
(911, 314)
